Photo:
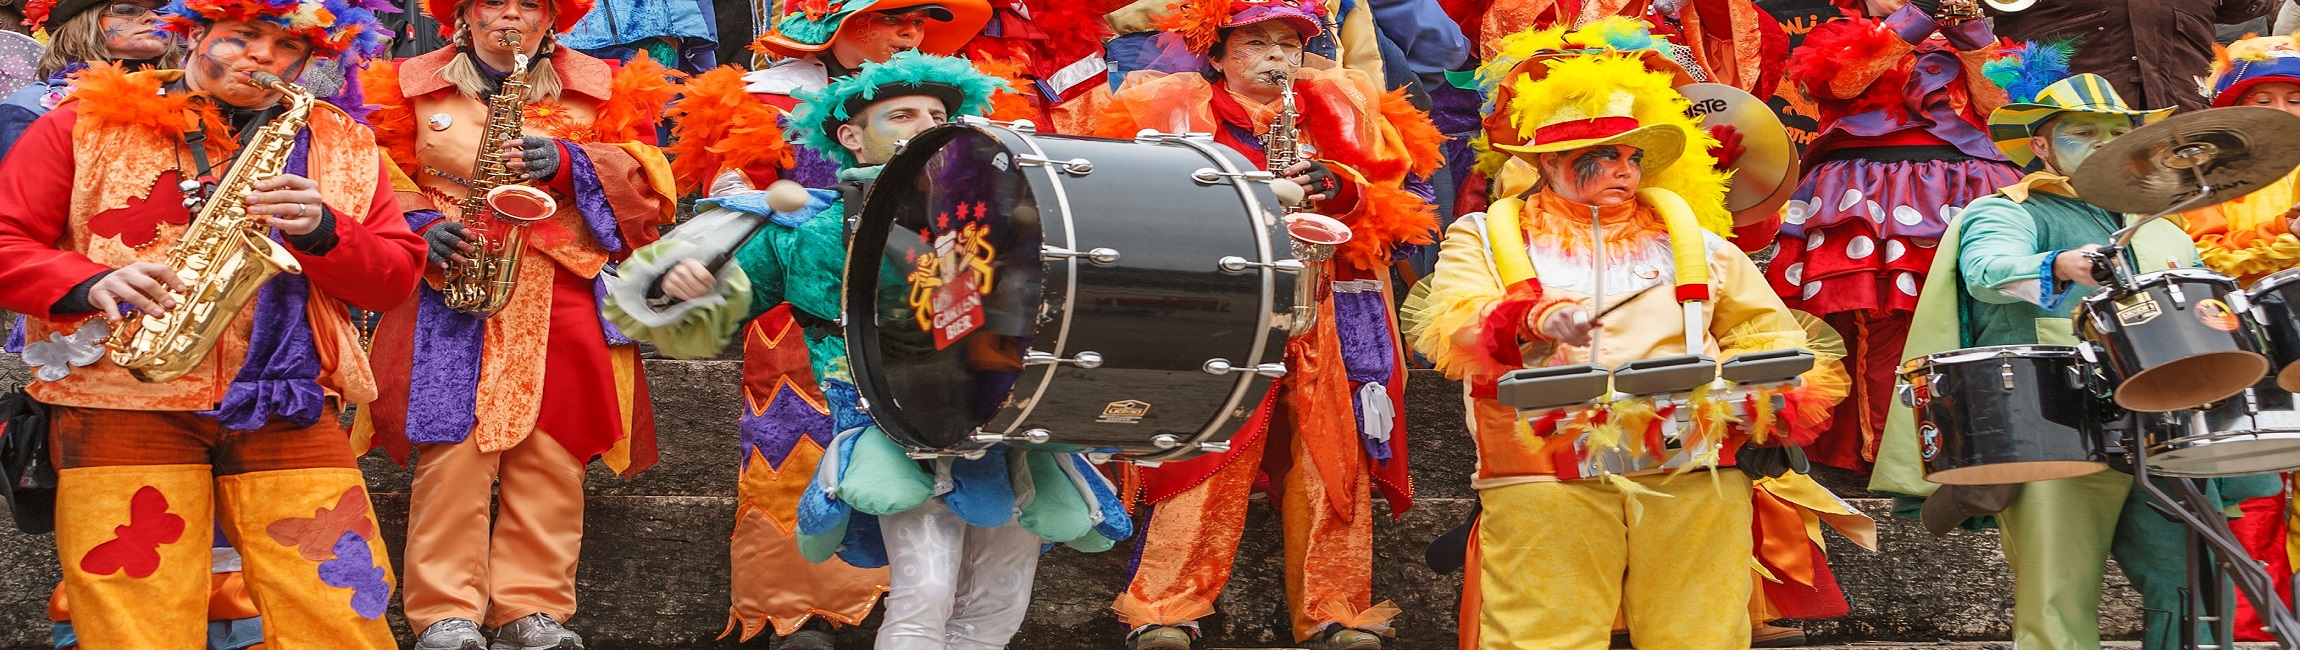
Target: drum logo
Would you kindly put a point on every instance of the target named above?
(1125, 411)
(947, 285)
(1928, 441)
(2137, 309)
(2216, 315)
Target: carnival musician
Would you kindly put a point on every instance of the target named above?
(1357, 146)
(522, 399)
(961, 548)
(2010, 271)
(97, 206)
(1517, 288)
(728, 131)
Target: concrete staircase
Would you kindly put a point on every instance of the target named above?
(653, 573)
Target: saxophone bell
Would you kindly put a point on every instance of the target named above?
(521, 203)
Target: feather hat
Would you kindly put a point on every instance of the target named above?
(962, 89)
(334, 28)
(809, 26)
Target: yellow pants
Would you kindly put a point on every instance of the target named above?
(1559, 559)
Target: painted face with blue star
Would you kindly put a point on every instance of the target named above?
(2069, 138)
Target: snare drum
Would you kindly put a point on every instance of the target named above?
(2005, 414)
(2255, 432)
(1130, 297)
(2176, 339)
(2276, 309)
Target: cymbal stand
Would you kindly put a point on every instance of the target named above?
(2201, 513)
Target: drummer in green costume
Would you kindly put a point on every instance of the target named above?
(2010, 271)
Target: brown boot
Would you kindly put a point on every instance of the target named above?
(1768, 635)
(1337, 637)
(1162, 637)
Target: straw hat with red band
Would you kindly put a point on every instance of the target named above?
(567, 13)
(1200, 22)
(811, 26)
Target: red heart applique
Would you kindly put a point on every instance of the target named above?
(136, 546)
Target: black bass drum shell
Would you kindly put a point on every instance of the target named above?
(1975, 429)
(2173, 339)
(1061, 349)
(2276, 310)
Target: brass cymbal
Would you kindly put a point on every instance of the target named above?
(1768, 161)
(2235, 150)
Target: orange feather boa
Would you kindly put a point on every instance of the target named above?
(639, 92)
(117, 99)
(717, 125)
(394, 118)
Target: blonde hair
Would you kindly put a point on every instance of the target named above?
(81, 39)
(463, 71)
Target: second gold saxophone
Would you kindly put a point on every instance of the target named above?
(498, 209)
(1314, 235)
(225, 255)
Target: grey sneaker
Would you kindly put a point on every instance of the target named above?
(1337, 637)
(1162, 637)
(535, 632)
(451, 634)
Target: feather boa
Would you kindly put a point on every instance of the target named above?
(1386, 217)
(717, 125)
(393, 118)
(2025, 69)
(1585, 83)
(1856, 39)
(1008, 107)
(117, 99)
(636, 97)
(1198, 22)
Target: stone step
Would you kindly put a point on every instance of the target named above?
(653, 572)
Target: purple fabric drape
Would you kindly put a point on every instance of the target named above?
(1362, 323)
(280, 376)
(591, 198)
(443, 393)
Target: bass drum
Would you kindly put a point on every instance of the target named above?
(1122, 297)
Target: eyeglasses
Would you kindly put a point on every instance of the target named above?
(127, 10)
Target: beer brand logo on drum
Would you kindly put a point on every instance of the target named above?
(1928, 441)
(1125, 411)
(951, 276)
(2136, 309)
(2216, 315)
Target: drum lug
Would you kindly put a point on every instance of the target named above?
(2239, 302)
(2006, 371)
(1074, 166)
(1083, 360)
(1908, 395)
(1236, 264)
(2179, 298)
(1214, 447)
(1166, 441)
(862, 405)
(1210, 176)
(1095, 256)
(1224, 367)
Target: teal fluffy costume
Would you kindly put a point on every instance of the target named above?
(797, 257)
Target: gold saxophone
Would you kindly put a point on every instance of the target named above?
(1313, 235)
(498, 209)
(225, 255)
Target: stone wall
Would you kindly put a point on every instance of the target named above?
(653, 564)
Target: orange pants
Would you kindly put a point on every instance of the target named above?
(457, 568)
(1192, 540)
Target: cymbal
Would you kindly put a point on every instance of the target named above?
(1769, 159)
(2155, 168)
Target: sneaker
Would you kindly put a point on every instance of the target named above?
(452, 634)
(1337, 637)
(1774, 636)
(815, 635)
(1163, 637)
(535, 632)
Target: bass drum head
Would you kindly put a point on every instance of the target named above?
(943, 287)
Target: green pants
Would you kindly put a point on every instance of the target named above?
(2058, 536)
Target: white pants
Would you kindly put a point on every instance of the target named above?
(954, 586)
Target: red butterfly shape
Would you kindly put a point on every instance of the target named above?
(138, 223)
(315, 537)
(136, 546)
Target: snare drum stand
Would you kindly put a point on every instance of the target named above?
(2215, 559)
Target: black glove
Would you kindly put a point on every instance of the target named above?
(1771, 462)
(446, 241)
(541, 155)
(1322, 184)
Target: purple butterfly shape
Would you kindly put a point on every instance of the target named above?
(354, 567)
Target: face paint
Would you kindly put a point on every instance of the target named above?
(229, 53)
(1257, 58)
(875, 37)
(2072, 137)
(132, 30)
(1601, 176)
(490, 20)
(894, 120)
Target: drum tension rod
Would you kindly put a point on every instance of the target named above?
(1210, 176)
(1032, 436)
(1236, 264)
(1097, 256)
(1074, 166)
(1171, 441)
(1084, 360)
(1224, 367)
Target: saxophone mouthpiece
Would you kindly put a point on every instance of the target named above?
(265, 79)
(510, 38)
